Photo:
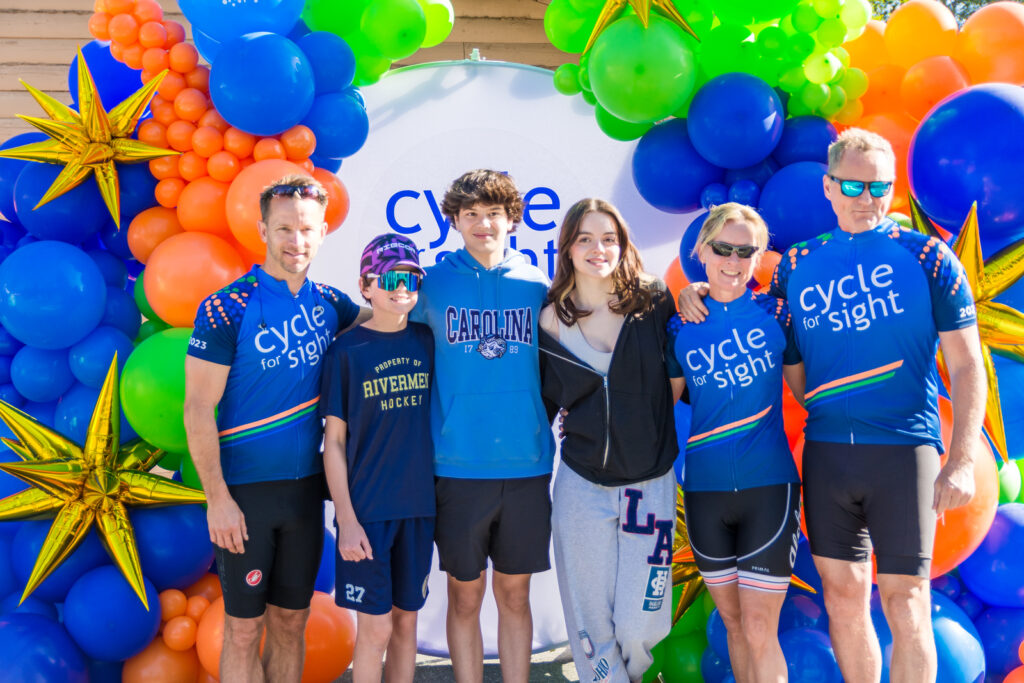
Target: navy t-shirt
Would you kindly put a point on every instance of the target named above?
(379, 384)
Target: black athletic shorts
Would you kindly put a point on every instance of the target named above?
(285, 521)
(859, 496)
(748, 535)
(507, 520)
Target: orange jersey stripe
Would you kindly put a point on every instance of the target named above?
(272, 418)
(731, 425)
(853, 378)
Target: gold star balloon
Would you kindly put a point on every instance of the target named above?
(1001, 327)
(613, 9)
(83, 486)
(89, 141)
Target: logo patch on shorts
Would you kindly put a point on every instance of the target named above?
(254, 577)
(656, 584)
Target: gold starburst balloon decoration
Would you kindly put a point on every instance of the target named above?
(613, 9)
(1001, 327)
(83, 486)
(89, 141)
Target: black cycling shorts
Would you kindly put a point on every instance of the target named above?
(860, 496)
(749, 536)
(508, 520)
(285, 521)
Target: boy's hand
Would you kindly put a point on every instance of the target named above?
(353, 543)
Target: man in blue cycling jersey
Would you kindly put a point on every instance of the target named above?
(252, 385)
(871, 303)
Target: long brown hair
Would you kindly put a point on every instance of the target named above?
(632, 295)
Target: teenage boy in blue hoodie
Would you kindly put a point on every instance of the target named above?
(492, 440)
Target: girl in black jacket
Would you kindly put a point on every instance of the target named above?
(603, 344)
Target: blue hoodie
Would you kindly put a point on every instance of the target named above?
(487, 417)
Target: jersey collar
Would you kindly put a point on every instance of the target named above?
(278, 287)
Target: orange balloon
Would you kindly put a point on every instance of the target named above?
(183, 270)
(164, 167)
(223, 166)
(167, 192)
(214, 120)
(1020, 652)
(299, 142)
(175, 33)
(132, 55)
(1015, 676)
(180, 633)
(883, 94)
(190, 104)
(206, 677)
(250, 258)
(766, 267)
(172, 84)
(119, 6)
(208, 586)
(149, 229)
(919, 29)
(239, 142)
(268, 148)
(179, 135)
(330, 640)
(243, 203)
(867, 51)
(675, 279)
(172, 604)
(123, 28)
(307, 165)
(201, 207)
(153, 133)
(991, 43)
(163, 111)
(147, 11)
(160, 664)
(183, 57)
(152, 34)
(794, 418)
(337, 198)
(154, 60)
(207, 141)
(210, 637)
(199, 78)
(191, 166)
(99, 24)
(197, 606)
(930, 81)
(898, 129)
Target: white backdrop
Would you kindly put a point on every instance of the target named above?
(429, 124)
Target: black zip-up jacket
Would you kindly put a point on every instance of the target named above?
(638, 442)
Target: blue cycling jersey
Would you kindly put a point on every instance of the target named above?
(274, 342)
(733, 368)
(867, 309)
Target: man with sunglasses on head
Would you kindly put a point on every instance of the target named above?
(871, 303)
(252, 383)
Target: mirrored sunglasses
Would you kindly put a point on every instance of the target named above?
(390, 280)
(855, 188)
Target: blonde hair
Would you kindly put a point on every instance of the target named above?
(731, 211)
(858, 140)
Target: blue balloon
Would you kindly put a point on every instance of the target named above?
(713, 669)
(1010, 374)
(691, 265)
(800, 611)
(5, 369)
(8, 344)
(122, 312)
(961, 657)
(51, 294)
(718, 635)
(667, 170)
(333, 62)
(104, 672)
(299, 30)
(8, 581)
(41, 375)
(25, 548)
(35, 648)
(115, 239)
(970, 604)
(223, 21)
(136, 191)
(326, 163)
(74, 410)
(745, 192)
(809, 656)
(71, 217)
(993, 572)
(174, 544)
(355, 93)
(11, 231)
(207, 46)
(794, 205)
(9, 171)
(106, 618)
(948, 585)
(1001, 630)
(325, 575)
(262, 83)
(735, 120)
(760, 172)
(42, 412)
(9, 484)
(8, 394)
(340, 124)
(25, 239)
(114, 272)
(713, 194)
(31, 605)
(970, 148)
(805, 138)
(114, 80)
(90, 358)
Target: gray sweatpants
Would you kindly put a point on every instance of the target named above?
(613, 557)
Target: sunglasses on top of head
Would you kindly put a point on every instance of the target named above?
(390, 280)
(726, 250)
(855, 188)
(303, 191)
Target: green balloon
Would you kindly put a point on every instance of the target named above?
(440, 17)
(836, 101)
(805, 19)
(370, 64)
(589, 98)
(813, 95)
(771, 42)
(1009, 481)
(148, 328)
(616, 128)
(800, 47)
(641, 75)
(826, 9)
(395, 27)
(732, 12)
(831, 33)
(821, 68)
(1020, 466)
(792, 79)
(340, 18)
(759, 10)
(722, 50)
(855, 13)
(189, 476)
(682, 658)
(795, 107)
(768, 70)
(698, 14)
(568, 28)
(153, 389)
(171, 461)
(693, 621)
(842, 54)
(786, 24)
(567, 79)
(139, 294)
(901, 219)
(583, 76)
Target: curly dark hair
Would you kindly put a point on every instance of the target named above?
(486, 187)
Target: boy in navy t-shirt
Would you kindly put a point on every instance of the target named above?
(378, 458)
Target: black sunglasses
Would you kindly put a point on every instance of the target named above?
(304, 191)
(855, 188)
(726, 250)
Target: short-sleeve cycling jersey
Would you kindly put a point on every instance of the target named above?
(732, 363)
(867, 309)
(274, 341)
